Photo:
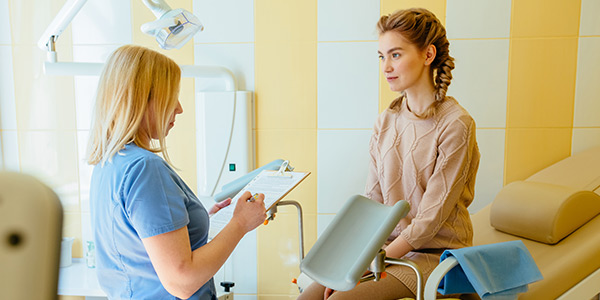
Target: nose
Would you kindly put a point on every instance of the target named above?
(179, 108)
(387, 66)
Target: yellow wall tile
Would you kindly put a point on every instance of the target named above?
(181, 150)
(71, 297)
(545, 18)
(286, 85)
(438, 7)
(542, 82)
(42, 101)
(72, 228)
(530, 150)
(278, 261)
(29, 19)
(285, 21)
(300, 148)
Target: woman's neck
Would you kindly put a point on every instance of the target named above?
(419, 100)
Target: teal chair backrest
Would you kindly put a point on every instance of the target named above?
(348, 245)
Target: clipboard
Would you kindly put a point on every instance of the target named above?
(275, 185)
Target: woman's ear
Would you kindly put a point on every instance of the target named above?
(430, 53)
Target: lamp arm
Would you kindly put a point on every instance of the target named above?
(60, 23)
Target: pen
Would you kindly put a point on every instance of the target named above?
(254, 197)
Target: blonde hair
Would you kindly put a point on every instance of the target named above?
(422, 28)
(135, 83)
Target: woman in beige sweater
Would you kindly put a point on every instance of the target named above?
(423, 150)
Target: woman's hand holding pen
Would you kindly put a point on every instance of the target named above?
(250, 211)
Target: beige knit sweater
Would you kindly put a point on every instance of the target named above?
(431, 163)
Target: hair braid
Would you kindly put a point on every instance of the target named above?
(443, 76)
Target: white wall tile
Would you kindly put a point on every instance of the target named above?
(245, 297)
(589, 21)
(585, 138)
(348, 85)
(9, 151)
(103, 22)
(343, 161)
(477, 19)
(238, 58)
(480, 79)
(8, 113)
(587, 89)
(49, 155)
(225, 21)
(4, 24)
(322, 222)
(85, 170)
(244, 265)
(490, 176)
(347, 20)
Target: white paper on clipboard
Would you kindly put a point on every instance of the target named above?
(269, 183)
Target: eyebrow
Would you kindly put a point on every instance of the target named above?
(391, 50)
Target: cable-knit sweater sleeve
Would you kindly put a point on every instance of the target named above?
(456, 146)
(372, 187)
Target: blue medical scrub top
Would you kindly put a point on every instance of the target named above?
(136, 196)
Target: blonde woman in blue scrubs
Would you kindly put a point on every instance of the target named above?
(150, 229)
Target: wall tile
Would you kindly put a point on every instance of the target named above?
(48, 155)
(530, 150)
(589, 23)
(587, 89)
(341, 20)
(347, 85)
(545, 18)
(541, 86)
(238, 58)
(286, 85)
(278, 258)
(480, 79)
(585, 138)
(300, 148)
(247, 297)
(5, 38)
(343, 164)
(244, 265)
(285, 21)
(30, 18)
(85, 170)
(438, 7)
(323, 222)
(229, 21)
(72, 228)
(478, 19)
(9, 151)
(44, 101)
(8, 117)
(491, 167)
(103, 22)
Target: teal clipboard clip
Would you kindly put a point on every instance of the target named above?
(282, 170)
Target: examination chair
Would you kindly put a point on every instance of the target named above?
(556, 213)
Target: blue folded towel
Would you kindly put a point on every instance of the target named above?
(495, 271)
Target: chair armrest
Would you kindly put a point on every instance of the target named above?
(436, 276)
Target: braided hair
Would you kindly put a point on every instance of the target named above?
(422, 28)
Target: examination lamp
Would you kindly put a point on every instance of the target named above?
(172, 29)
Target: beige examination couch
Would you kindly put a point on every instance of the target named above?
(556, 213)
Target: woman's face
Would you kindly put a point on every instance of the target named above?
(151, 120)
(401, 62)
(178, 110)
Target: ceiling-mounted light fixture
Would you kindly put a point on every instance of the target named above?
(173, 27)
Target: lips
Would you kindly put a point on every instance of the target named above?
(391, 78)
